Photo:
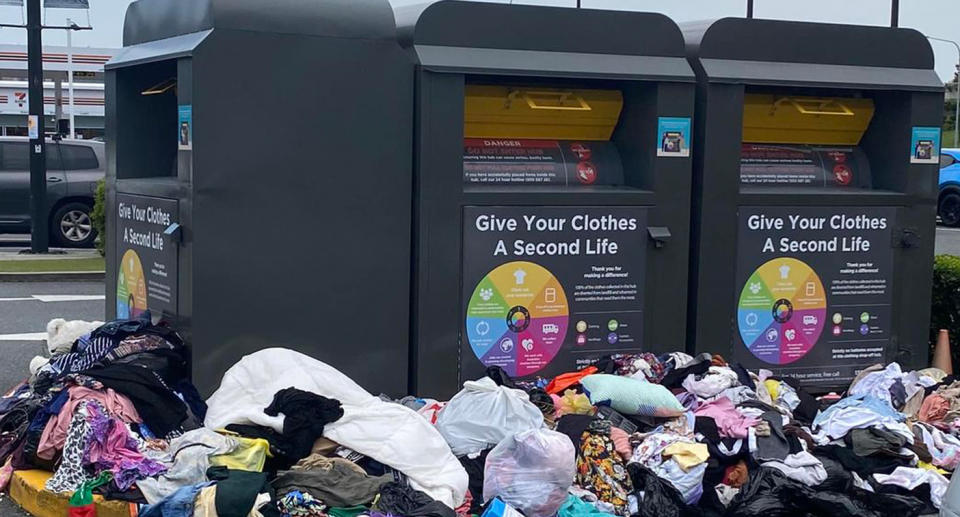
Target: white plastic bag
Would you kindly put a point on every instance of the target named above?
(531, 471)
(482, 414)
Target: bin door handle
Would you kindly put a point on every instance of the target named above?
(560, 101)
(830, 107)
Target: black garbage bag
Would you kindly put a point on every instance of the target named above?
(660, 498)
(397, 499)
(769, 493)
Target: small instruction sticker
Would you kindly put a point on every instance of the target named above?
(33, 127)
(185, 136)
(925, 145)
(673, 137)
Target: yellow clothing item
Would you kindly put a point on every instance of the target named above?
(925, 465)
(687, 455)
(773, 387)
(205, 503)
(250, 455)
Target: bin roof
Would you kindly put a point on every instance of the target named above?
(775, 52)
(164, 29)
(489, 38)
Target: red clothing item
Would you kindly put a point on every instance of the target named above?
(565, 380)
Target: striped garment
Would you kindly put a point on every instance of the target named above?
(75, 362)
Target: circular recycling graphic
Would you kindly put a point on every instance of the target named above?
(517, 318)
(782, 311)
(131, 287)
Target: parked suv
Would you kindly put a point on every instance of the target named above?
(73, 169)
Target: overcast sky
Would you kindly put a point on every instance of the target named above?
(939, 18)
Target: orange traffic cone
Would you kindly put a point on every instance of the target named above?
(941, 353)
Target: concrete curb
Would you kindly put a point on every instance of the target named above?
(53, 276)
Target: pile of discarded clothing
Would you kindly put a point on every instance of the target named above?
(638, 434)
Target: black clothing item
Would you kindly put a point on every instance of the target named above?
(794, 430)
(699, 366)
(574, 427)
(237, 491)
(170, 365)
(544, 402)
(305, 415)
(838, 479)
(743, 375)
(775, 446)
(660, 498)
(501, 377)
(110, 492)
(707, 426)
(862, 465)
(397, 499)
(898, 394)
(279, 448)
(606, 365)
(160, 409)
(474, 468)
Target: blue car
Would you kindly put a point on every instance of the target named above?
(948, 207)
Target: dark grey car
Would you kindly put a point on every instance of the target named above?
(73, 169)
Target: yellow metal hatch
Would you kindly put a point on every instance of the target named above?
(781, 119)
(540, 113)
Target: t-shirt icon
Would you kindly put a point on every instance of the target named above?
(784, 272)
(519, 275)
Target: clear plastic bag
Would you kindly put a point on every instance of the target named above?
(531, 471)
(482, 414)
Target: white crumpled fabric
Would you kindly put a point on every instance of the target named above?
(192, 451)
(945, 448)
(878, 383)
(802, 466)
(910, 478)
(482, 414)
(389, 433)
(717, 379)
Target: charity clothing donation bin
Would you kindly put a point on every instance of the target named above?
(259, 181)
(552, 185)
(815, 185)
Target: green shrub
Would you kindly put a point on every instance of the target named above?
(99, 216)
(945, 311)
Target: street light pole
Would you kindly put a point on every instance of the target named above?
(70, 75)
(39, 225)
(956, 116)
(749, 8)
(894, 13)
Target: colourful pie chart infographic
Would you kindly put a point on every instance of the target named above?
(782, 311)
(131, 287)
(517, 318)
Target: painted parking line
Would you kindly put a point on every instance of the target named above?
(50, 298)
(29, 336)
(53, 298)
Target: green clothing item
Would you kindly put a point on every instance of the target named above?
(575, 507)
(350, 511)
(237, 491)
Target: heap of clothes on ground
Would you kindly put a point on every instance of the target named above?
(634, 434)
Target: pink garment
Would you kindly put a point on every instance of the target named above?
(55, 433)
(110, 447)
(730, 423)
(621, 442)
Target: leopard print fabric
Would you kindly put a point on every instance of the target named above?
(70, 475)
